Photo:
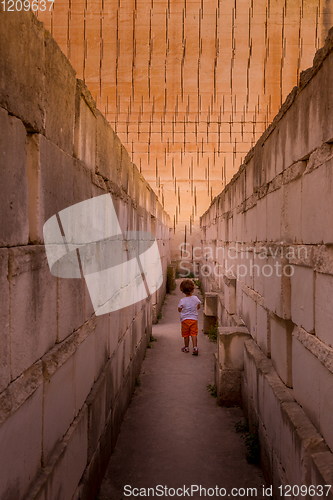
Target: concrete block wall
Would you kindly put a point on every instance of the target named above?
(66, 376)
(270, 232)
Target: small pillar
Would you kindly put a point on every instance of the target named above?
(229, 364)
(210, 311)
(171, 278)
(154, 314)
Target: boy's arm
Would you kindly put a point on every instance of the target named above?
(198, 306)
(180, 308)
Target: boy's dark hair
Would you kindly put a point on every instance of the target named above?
(187, 286)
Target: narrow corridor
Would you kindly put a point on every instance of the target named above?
(189, 168)
(174, 434)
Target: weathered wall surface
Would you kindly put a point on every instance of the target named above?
(66, 376)
(268, 243)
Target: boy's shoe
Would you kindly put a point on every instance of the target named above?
(185, 349)
(195, 351)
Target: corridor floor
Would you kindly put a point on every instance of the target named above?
(174, 434)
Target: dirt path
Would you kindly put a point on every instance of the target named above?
(174, 435)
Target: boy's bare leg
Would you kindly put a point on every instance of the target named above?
(186, 341)
(194, 341)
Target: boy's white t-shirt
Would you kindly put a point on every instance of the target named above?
(189, 307)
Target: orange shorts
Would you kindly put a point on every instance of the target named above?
(189, 328)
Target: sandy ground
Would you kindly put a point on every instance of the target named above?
(174, 435)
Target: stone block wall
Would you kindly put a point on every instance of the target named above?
(267, 255)
(189, 86)
(66, 375)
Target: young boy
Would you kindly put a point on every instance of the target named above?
(188, 307)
